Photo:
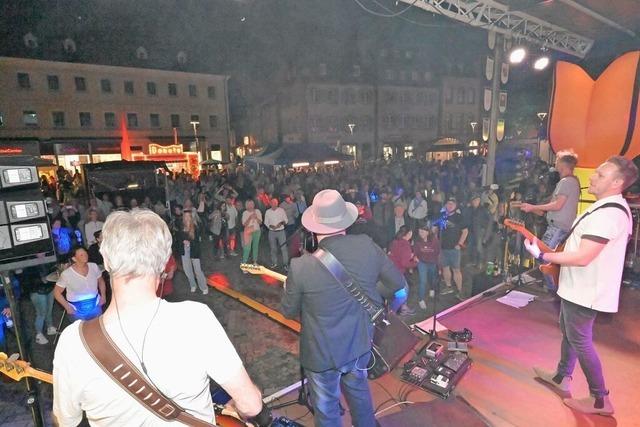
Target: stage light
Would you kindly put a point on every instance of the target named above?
(541, 63)
(517, 55)
(299, 165)
(332, 162)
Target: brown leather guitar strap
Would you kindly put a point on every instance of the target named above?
(116, 365)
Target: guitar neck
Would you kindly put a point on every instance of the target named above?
(41, 375)
(274, 274)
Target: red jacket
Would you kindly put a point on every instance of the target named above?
(401, 254)
(427, 251)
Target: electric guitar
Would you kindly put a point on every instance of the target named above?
(551, 270)
(260, 270)
(19, 369)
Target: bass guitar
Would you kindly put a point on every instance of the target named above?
(551, 270)
(262, 271)
(18, 369)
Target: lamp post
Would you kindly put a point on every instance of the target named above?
(541, 115)
(195, 124)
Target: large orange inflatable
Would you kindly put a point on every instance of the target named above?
(597, 119)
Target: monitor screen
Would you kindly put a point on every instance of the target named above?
(23, 210)
(18, 175)
(28, 233)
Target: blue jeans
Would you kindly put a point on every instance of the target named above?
(325, 394)
(43, 304)
(576, 324)
(553, 235)
(426, 276)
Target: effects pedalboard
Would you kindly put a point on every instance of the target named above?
(436, 369)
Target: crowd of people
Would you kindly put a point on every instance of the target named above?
(434, 219)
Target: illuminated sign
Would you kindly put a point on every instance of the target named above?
(10, 150)
(159, 150)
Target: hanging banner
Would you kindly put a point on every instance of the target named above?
(504, 73)
(500, 130)
(488, 70)
(485, 129)
(508, 42)
(491, 39)
(502, 101)
(487, 99)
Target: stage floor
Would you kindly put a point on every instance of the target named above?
(507, 343)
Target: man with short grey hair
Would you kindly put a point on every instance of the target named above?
(136, 246)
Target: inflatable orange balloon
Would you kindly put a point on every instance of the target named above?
(597, 119)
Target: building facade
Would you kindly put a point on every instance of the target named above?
(397, 112)
(80, 113)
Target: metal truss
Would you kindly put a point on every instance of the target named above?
(494, 16)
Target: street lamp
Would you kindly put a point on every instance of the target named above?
(195, 124)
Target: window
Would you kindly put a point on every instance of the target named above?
(30, 118)
(58, 119)
(85, 119)
(173, 89)
(195, 118)
(471, 96)
(449, 96)
(414, 76)
(53, 82)
(389, 74)
(211, 92)
(460, 98)
(175, 120)
(110, 120)
(213, 121)
(105, 85)
(1, 119)
(23, 81)
(128, 87)
(81, 84)
(192, 91)
(154, 120)
(151, 89)
(132, 120)
(356, 71)
(450, 121)
(322, 69)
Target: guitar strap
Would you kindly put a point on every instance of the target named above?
(606, 205)
(343, 277)
(120, 369)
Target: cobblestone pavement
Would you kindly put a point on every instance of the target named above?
(269, 350)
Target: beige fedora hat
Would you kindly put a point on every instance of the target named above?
(329, 213)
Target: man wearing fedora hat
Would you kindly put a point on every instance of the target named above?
(336, 335)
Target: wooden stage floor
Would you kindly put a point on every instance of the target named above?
(507, 343)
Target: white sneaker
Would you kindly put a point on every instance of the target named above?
(206, 291)
(193, 290)
(432, 293)
(422, 304)
(41, 339)
(51, 330)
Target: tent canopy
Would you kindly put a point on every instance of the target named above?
(288, 154)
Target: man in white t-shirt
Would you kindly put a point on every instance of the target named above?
(178, 346)
(590, 276)
(91, 226)
(275, 220)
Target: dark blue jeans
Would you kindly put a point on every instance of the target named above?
(576, 324)
(553, 235)
(427, 274)
(325, 394)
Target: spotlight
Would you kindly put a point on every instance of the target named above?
(541, 63)
(517, 55)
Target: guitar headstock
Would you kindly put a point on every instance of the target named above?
(13, 368)
(253, 268)
(515, 224)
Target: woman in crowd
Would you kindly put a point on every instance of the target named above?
(215, 230)
(251, 221)
(40, 290)
(189, 250)
(86, 290)
(427, 249)
(401, 254)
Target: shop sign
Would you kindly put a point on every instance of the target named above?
(160, 150)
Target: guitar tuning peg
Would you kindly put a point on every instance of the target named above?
(13, 357)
